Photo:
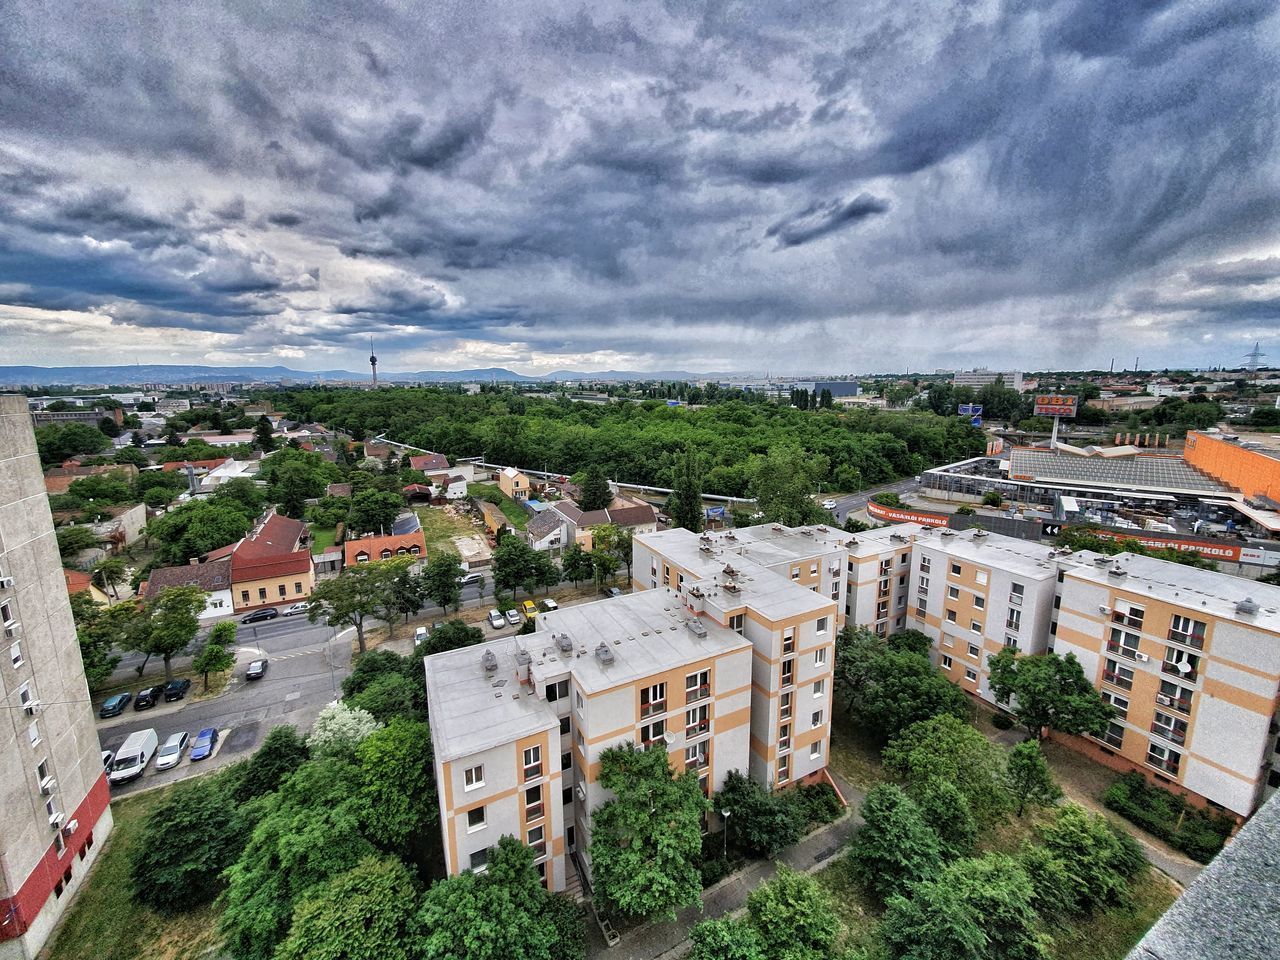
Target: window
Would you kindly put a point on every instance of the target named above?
(1114, 737)
(784, 768)
(6, 614)
(479, 859)
(815, 750)
(820, 657)
(1124, 643)
(920, 612)
(1171, 728)
(1129, 614)
(784, 737)
(975, 626)
(788, 672)
(578, 702)
(947, 662)
(951, 616)
(283, 592)
(819, 688)
(835, 589)
(564, 726)
(15, 654)
(815, 720)
(923, 585)
(789, 640)
(902, 580)
(980, 602)
(1117, 675)
(953, 593)
(1016, 591)
(244, 596)
(566, 796)
(981, 577)
(557, 691)
(533, 803)
(42, 769)
(566, 760)
(925, 564)
(947, 640)
(795, 573)
(1186, 631)
(1172, 695)
(1164, 758)
(652, 732)
(475, 818)
(973, 650)
(581, 742)
(955, 569)
(696, 756)
(473, 777)
(697, 686)
(537, 842)
(61, 845)
(822, 625)
(904, 559)
(970, 676)
(1118, 703)
(784, 705)
(653, 699)
(1014, 620)
(532, 762)
(1011, 642)
(697, 721)
(882, 609)
(813, 569)
(737, 622)
(262, 593)
(1181, 664)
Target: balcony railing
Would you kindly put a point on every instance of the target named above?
(533, 813)
(694, 694)
(1112, 739)
(1181, 704)
(533, 770)
(649, 709)
(697, 763)
(697, 729)
(1194, 640)
(1121, 650)
(1170, 667)
(1167, 765)
(1124, 683)
(1169, 734)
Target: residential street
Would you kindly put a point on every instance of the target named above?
(858, 501)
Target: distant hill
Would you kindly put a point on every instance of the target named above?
(122, 374)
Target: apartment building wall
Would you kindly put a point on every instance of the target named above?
(878, 573)
(1208, 726)
(272, 590)
(54, 811)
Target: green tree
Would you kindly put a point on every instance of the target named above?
(374, 511)
(595, 492)
(353, 597)
(109, 573)
(1030, 781)
(172, 621)
(604, 564)
(973, 910)
(244, 492)
(515, 565)
(365, 913)
(281, 753)
(296, 483)
(782, 483)
(1098, 860)
(888, 690)
(896, 848)
(387, 697)
(1049, 692)
(726, 939)
(622, 545)
(59, 442)
(794, 916)
(646, 841)
(397, 783)
(403, 594)
(189, 839)
(947, 811)
(339, 729)
(74, 540)
(576, 564)
(224, 633)
(950, 749)
(910, 641)
(992, 499)
(194, 529)
(451, 635)
(99, 631)
(684, 506)
(442, 581)
(264, 435)
(761, 823)
(214, 658)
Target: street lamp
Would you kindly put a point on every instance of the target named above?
(726, 814)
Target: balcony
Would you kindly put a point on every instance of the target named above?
(649, 709)
(1112, 739)
(694, 694)
(1121, 650)
(697, 763)
(1168, 733)
(1169, 766)
(539, 849)
(533, 771)
(1189, 675)
(1124, 683)
(1193, 640)
(697, 729)
(1181, 704)
(533, 813)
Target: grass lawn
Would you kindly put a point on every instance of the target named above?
(105, 924)
(322, 539)
(853, 757)
(517, 514)
(439, 526)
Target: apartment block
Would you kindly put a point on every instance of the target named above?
(519, 724)
(1190, 660)
(54, 812)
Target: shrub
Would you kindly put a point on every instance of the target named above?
(1002, 721)
(1098, 860)
(965, 511)
(895, 849)
(992, 499)
(1198, 833)
(760, 823)
(818, 803)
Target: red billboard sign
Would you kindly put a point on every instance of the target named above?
(899, 515)
(1055, 405)
(1206, 548)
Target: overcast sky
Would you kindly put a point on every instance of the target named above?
(786, 187)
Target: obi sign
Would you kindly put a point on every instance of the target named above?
(1055, 405)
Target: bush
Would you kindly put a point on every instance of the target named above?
(1098, 860)
(1198, 833)
(887, 499)
(1002, 721)
(760, 823)
(816, 803)
(992, 499)
(965, 511)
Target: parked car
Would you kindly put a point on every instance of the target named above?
(530, 609)
(471, 578)
(170, 754)
(614, 591)
(205, 741)
(270, 613)
(419, 635)
(148, 697)
(436, 625)
(256, 670)
(294, 609)
(133, 756)
(107, 757)
(496, 619)
(514, 618)
(549, 604)
(828, 504)
(176, 689)
(114, 705)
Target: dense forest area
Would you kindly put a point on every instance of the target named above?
(641, 442)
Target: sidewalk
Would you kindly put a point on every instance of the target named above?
(668, 940)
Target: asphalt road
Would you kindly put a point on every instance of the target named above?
(858, 501)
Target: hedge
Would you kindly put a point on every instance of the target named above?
(1198, 833)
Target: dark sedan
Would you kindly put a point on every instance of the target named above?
(114, 705)
(256, 670)
(202, 746)
(176, 689)
(260, 615)
(148, 698)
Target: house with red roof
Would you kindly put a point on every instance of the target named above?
(430, 463)
(272, 565)
(372, 549)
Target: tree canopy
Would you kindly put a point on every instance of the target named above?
(949, 749)
(1047, 691)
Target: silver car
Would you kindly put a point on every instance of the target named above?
(514, 618)
(496, 619)
(171, 753)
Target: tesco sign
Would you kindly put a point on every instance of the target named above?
(1055, 405)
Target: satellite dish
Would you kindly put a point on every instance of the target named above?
(1183, 666)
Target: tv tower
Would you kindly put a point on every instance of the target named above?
(373, 364)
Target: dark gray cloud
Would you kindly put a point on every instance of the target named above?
(832, 186)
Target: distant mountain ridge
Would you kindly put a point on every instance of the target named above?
(12, 376)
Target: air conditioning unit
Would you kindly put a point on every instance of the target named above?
(48, 785)
(1105, 611)
(6, 583)
(32, 707)
(71, 826)
(1141, 657)
(582, 792)
(1164, 700)
(55, 821)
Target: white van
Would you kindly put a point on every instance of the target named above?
(133, 756)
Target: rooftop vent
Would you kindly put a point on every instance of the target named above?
(1101, 561)
(822, 529)
(978, 534)
(776, 528)
(696, 627)
(1118, 571)
(1247, 607)
(948, 533)
(489, 661)
(563, 643)
(730, 535)
(729, 571)
(897, 538)
(731, 586)
(706, 548)
(522, 657)
(603, 653)
(807, 532)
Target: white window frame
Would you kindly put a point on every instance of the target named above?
(815, 750)
(15, 654)
(473, 777)
(820, 657)
(947, 662)
(953, 592)
(536, 751)
(822, 625)
(819, 688)
(484, 819)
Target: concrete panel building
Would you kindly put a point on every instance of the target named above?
(54, 812)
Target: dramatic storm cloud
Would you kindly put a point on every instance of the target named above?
(822, 187)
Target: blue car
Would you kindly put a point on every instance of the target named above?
(202, 746)
(114, 705)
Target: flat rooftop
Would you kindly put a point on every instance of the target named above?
(1139, 472)
(1210, 591)
(1026, 558)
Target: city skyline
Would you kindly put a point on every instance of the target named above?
(641, 187)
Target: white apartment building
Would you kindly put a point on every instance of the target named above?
(982, 377)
